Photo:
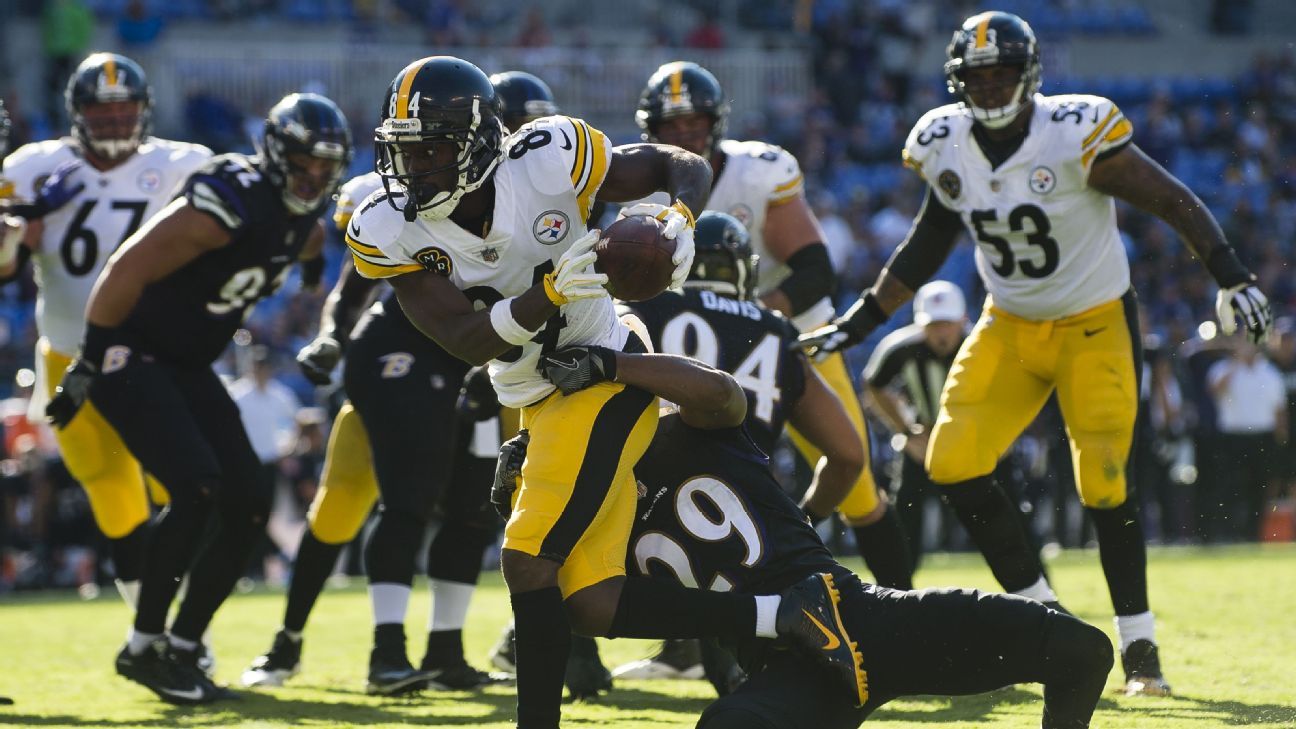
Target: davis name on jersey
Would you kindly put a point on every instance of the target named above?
(1047, 243)
(544, 190)
(79, 237)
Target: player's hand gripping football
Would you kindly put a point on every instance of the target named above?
(573, 279)
(576, 368)
(679, 223)
(1247, 303)
(71, 393)
(318, 359)
(508, 469)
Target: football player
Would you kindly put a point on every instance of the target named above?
(484, 240)
(163, 310)
(761, 185)
(711, 514)
(1033, 179)
(349, 488)
(92, 191)
(716, 320)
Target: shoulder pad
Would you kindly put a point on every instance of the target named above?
(775, 166)
(373, 236)
(227, 188)
(554, 144)
(925, 137)
(34, 161)
(1091, 125)
(353, 192)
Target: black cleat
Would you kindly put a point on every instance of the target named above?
(277, 665)
(586, 675)
(1143, 670)
(174, 678)
(675, 659)
(461, 677)
(808, 616)
(504, 655)
(392, 675)
(1055, 605)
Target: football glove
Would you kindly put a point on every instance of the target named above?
(1245, 302)
(508, 469)
(679, 223)
(572, 279)
(845, 331)
(576, 368)
(477, 399)
(318, 359)
(58, 189)
(71, 393)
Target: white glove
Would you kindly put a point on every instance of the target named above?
(678, 221)
(1245, 302)
(572, 278)
(12, 230)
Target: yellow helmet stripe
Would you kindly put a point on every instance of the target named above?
(407, 81)
(677, 84)
(982, 27)
(110, 70)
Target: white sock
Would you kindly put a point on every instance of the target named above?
(766, 612)
(390, 601)
(1039, 592)
(449, 604)
(137, 642)
(183, 644)
(129, 591)
(1130, 628)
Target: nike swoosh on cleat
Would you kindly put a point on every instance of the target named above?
(833, 641)
(192, 694)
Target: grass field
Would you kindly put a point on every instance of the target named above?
(1225, 623)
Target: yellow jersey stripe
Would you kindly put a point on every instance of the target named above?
(402, 94)
(363, 248)
(600, 155)
(341, 219)
(908, 161)
(1120, 129)
(580, 162)
(982, 29)
(370, 270)
(1098, 130)
(789, 185)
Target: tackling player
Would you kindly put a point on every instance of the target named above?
(164, 309)
(92, 191)
(484, 241)
(1033, 179)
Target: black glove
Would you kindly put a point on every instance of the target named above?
(71, 393)
(508, 469)
(477, 400)
(318, 359)
(576, 368)
(846, 330)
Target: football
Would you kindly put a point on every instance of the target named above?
(636, 258)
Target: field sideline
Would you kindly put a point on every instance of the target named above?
(1225, 623)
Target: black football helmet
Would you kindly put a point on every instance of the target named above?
(523, 98)
(105, 78)
(435, 101)
(682, 87)
(990, 39)
(723, 261)
(307, 124)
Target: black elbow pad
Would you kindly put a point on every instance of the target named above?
(812, 277)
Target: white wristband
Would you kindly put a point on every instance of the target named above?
(508, 329)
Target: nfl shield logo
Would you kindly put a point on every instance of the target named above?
(551, 227)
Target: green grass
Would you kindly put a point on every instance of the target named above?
(1225, 624)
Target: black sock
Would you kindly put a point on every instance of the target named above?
(991, 520)
(584, 647)
(172, 542)
(220, 565)
(444, 649)
(543, 644)
(128, 553)
(311, 569)
(1123, 555)
(885, 550)
(389, 638)
(651, 608)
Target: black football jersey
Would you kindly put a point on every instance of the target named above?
(713, 517)
(190, 316)
(739, 337)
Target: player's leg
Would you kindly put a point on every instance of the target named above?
(789, 693)
(911, 496)
(878, 533)
(146, 405)
(1098, 393)
(113, 480)
(345, 497)
(990, 396)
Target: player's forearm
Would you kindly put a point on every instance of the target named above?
(688, 179)
(344, 304)
(1199, 230)
(706, 392)
(833, 481)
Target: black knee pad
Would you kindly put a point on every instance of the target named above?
(393, 546)
(1076, 647)
(457, 551)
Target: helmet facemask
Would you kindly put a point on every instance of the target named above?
(992, 40)
(112, 128)
(284, 144)
(1028, 82)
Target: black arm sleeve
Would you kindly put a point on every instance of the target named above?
(347, 301)
(812, 277)
(930, 240)
(312, 272)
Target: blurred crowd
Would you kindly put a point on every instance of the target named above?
(1215, 430)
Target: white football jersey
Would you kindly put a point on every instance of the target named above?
(1047, 243)
(544, 190)
(352, 193)
(79, 237)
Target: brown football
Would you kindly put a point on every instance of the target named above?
(636, 258)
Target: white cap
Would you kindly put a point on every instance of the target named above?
(939, 301)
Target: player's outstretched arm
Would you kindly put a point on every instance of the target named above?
(821, 418)
(638, 170)
(793, 236)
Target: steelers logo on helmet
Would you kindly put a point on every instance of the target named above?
(1042, 180)
(440, 137)
(988, 40)
(551, 227)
